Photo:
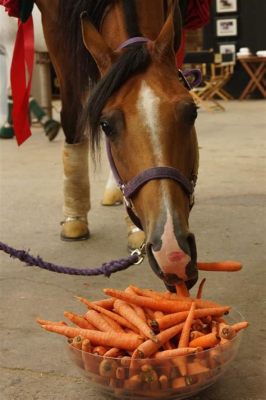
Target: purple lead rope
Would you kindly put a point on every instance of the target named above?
(106, 269)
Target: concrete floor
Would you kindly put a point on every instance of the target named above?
(229, 221)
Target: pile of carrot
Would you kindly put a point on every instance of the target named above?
(148, 341)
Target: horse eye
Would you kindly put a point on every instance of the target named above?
(107, 128)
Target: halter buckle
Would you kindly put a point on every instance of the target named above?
(140, 252)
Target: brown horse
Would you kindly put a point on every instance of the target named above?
(133, 94)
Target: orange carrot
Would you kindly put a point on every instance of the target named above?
(161, 355)
(113, 323)
(86, 346)
(97, 320)
(182, 290)
(105, 303)
(159, 305)
(195, 334)
(199, 294)
(163, 379)
(77, 342)
(137, 309)
(196, 368)
(240, 325)
(110, 339)
(226, 331)
(147, 348)
(173, 297)
(206, 341)
(47, 322)
(223, 266)
(122, 321)
(78, 320)
(184, 337)
(127, 312)
(107, 368)
(99, 350)
(171, 319)
(113, 352)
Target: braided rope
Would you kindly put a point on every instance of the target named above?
(106, 269)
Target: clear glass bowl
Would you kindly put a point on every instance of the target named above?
(152, 378)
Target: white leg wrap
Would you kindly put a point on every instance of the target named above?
(76, 180)
(76, 192)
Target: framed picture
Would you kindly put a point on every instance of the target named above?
(226, 6)
(226, 27)
(227, 48)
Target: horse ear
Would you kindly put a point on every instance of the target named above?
(102, 54)
(169, 39)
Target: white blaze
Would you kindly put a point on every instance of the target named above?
(148, 106)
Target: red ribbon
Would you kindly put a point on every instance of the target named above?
(21, 77)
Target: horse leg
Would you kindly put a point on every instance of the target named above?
(76, 191)
(7, 130)
(112, 194)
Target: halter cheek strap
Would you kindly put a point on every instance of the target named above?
(130, 188)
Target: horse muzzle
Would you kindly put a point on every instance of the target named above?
(174, 264)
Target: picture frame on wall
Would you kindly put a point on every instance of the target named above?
(227, 48)
(226, 27)
(226, 6)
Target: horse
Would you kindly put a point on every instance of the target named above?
(116, 67)
(8, 30)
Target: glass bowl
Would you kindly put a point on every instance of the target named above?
(162, 379)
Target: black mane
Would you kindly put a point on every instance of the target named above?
(134, 60)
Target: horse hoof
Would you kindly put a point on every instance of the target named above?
(7, 131)
(112, 197)
(75, 230)
(135, 239)
(52, 128)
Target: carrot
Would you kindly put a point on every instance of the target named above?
(163, 379)
(195, 334)
(179, 383)
(139, 311)
(78, 320)
(120, 373)
(113, 323)
(222, 266)
(240, 325)
(122, 321)
(184, 337)
(196, 368)
(147, 348)
(226, 331)
(159, 305)
(113, 352)
(46, 322)
(105, 303)
(127, 312)
(181, 289)
(86, 346)
(206, 341)
(107, 368)
(99, 350)
(97, 320)
(171, 319)
(161, 355)
(133, 382)
(158, 314)
(199, 294)
(77, 342)
(110, 339)
(173, 297)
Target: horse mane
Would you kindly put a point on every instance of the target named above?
(134, 60)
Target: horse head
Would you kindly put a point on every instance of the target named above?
(148, 117)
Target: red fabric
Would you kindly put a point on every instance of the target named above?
(198, 15)
(21, 76)
(11, 7)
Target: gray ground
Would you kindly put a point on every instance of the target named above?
(229, 222)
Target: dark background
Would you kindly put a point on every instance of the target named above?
(251, 16)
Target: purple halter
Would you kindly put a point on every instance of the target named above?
(130, 188)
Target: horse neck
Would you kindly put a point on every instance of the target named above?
(150, 18)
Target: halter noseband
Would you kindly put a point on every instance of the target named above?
(130, 188)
